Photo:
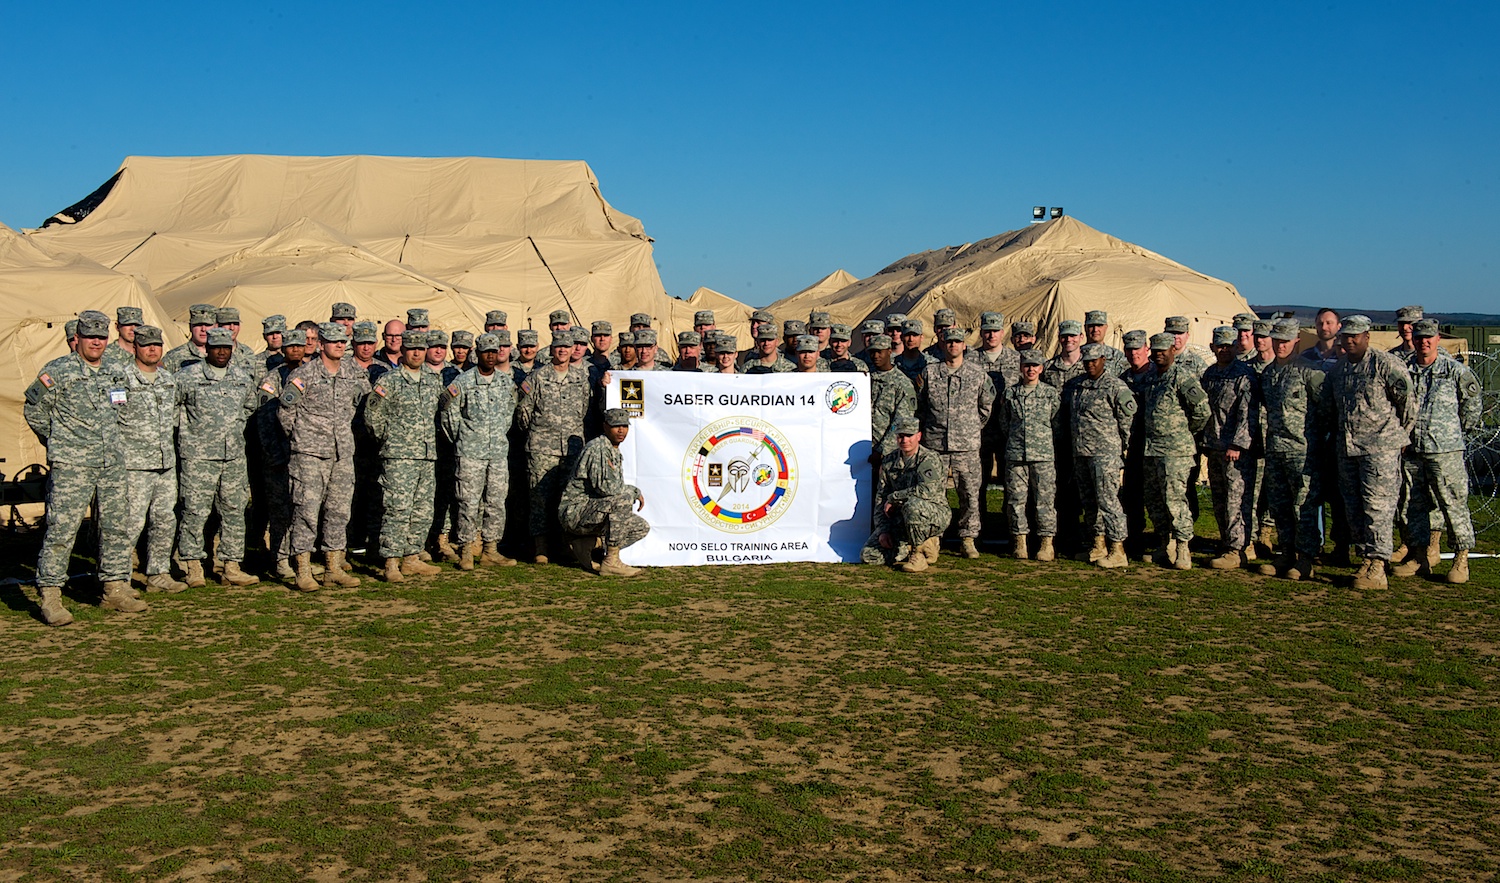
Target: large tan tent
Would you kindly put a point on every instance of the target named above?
(813, 296)
(1042, 273)
(529, 234)
(39, 292)
(729, 314)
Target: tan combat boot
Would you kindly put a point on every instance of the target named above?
(967, 548)
(305, 581)
(117, 597)
(1095, 551)
(1414, 563)
(334, 573)
(1230, 560)
(1018, 546)
(1435, 550)
(53, 611)
(491, 557)
(194, 571)
(1114, 558)
(1458, 574)
(931, 548)
(540, 543)
(613, 566)
(163, 582)
(1281, 566)
(466, 555)
(1303, 569)
(285, 571)
(583, 553)
(393, 571)
(413, 565)
(1044, 550)
(446, 550)
(1370, 576)
(236, 577)
(1184, 559)
(915, 562)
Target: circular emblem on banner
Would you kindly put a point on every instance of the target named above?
(739, 474)
(841, 397)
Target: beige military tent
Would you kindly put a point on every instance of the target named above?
(814, 296)
(39, 292)
(729, 314)
(1042, 273)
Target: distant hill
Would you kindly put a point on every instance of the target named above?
(1379, 317)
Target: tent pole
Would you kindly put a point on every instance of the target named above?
(554, 279)
(132, 251)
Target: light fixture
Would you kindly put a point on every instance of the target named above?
(1057, 212)
(1039, 213)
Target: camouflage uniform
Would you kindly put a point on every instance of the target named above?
(892, 397)
(180, 357)
(782, 365)
(1233, 422)
(1133, 485)
(1174, 408)
(1056, 373)
(401, 414)
(1291, 395)
(148, 423)
(596, 501)
(1448, 404)
(1368, 407)
(954, 405)
(914, 486)
(476, 414)
(213, 408)
(317, 411)
(913, 363)
(551, 412)
(1030, 423)
(1003, 366)
(1100, 413)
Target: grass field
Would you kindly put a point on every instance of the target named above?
(983, 720)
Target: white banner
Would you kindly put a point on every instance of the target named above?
(748, 469)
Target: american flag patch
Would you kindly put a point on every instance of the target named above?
(269, 388)
(453, 390)
(46, 379)
(379, 390)
(299, 383)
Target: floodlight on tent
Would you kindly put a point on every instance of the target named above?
(1057, 212)
(1038, 213)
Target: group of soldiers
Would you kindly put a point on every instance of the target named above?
(405, 440)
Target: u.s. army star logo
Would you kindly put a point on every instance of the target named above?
(739, 474)
(633, 396)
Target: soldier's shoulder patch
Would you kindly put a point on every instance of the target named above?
(379, 389)
(299, 383)
(526, 386)
(453, 390)
(269, 388)
(46, 379)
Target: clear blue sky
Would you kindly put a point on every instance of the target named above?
(1340, 153)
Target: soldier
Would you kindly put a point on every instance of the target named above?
(462, 348)
(1174, 409)
(954, 398)
(820, 325)
(148, 421)
(344, 314)
(602, 336)
(758, 319)
(273, 332)
(805, 349)
(401, 414)
(273, 483)
(1368, 406)
(229, 318)
(1187, 358)
(1100, 409)
(1291, 390)
(647, 356)
(1095, 329)
(703, 322)
(1030, 423)
(1003, 365)
(318, 407)
(71, 406)
(390, 349)
(417, 319)
(767, 359)
(1140, 370)
(527, 345)
(596, 502)
(867, 331)
(725, 356)
(364, 340)
(554, 402)
(1406, 318)
(121, 354)
(1023, 336)
(911, 504)
(623, 357)
(942, 320)
(912, 360)
(895, 323)
(892, 398)
(1068, 362)
(1244, 336)
(1228, 441)
(215, 398)
(689, 345)
(496, 320)
(201, 317)
(837, 353)
(1449, 405)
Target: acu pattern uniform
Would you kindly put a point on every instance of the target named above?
(1233, 392)
(476, 413)
(955, 404)
(552, 411)
(214, 405)
(1174, 409)
(1100, 413)
(1447, 404)
(317, 411)
(1290, 395)
(148, 423)
(596, 501)
(401, 413)
(915, 486)
(1030, 422)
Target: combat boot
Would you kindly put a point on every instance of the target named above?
(1371, 575)
(1413, 563)
(1095, 551)
(284, 570)
(117, 597)
(613, 566)
(1458, 574)
(1044, 550)
(583, 552)
(930, 549)
(966, 547)
(1265, 539)
(305, 581)
(915, 562)
(393, 571)
(1114, 558)
(1280, 567)
(446, 550)
(491, 557)
(334, 573)
(1304, 569)
(1435, 550)
(1230, 560)
(540, 543)
(1184, 560)
(194, 570)
(53, 611)
(413, 565)
(466, 556)
(236, 577)
(163, 582)
(1018, 546)
(1166, 556)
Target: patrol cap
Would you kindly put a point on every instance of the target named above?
(487, 343)
(1091, 351)
(806, 343)
(496, 317)
(227, 316)
(1164, 341)
(818, 319)
(838, 331)
(1027, 328)
(148, 335)
(689, 338)
(1261, 327)
(762, 316)
(219, 337)
(412, 340)
(1174, 325)
(580, 334)
(1069, 326)
(991, 321)
(70, 328)
(273, 324)
(898, 318)
(880, 342)
(366, 332)
(1424, 328)
(1285, 329)
(563, 337)
(1355, 325)
(437, 338)
(1410, 313)
(600, 327)
(129, 316)
(559, 317)
(944, 318)
(703, 317)
(1095, 317)
(297, 340)
(640, 319)
(616, 417)
(1242, 317)
(793, 328)
(417, 318)
(726, 343)
(872, 326)
(766, 332)
(1134, 340)
(501, 335)
(626, 338)
(1032, 357)
(645, 337)
(527, 337)
(463, 338)
(911, 326)
(953, 333)
(202, 314)
(1224, 335)
(1241, 324)
(907, 426)
(92, 323)
(342, 310)
(333, 332)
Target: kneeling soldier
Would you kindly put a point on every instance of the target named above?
(596, 501)
(911, 504)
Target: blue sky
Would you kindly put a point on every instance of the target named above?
(1340, 153)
